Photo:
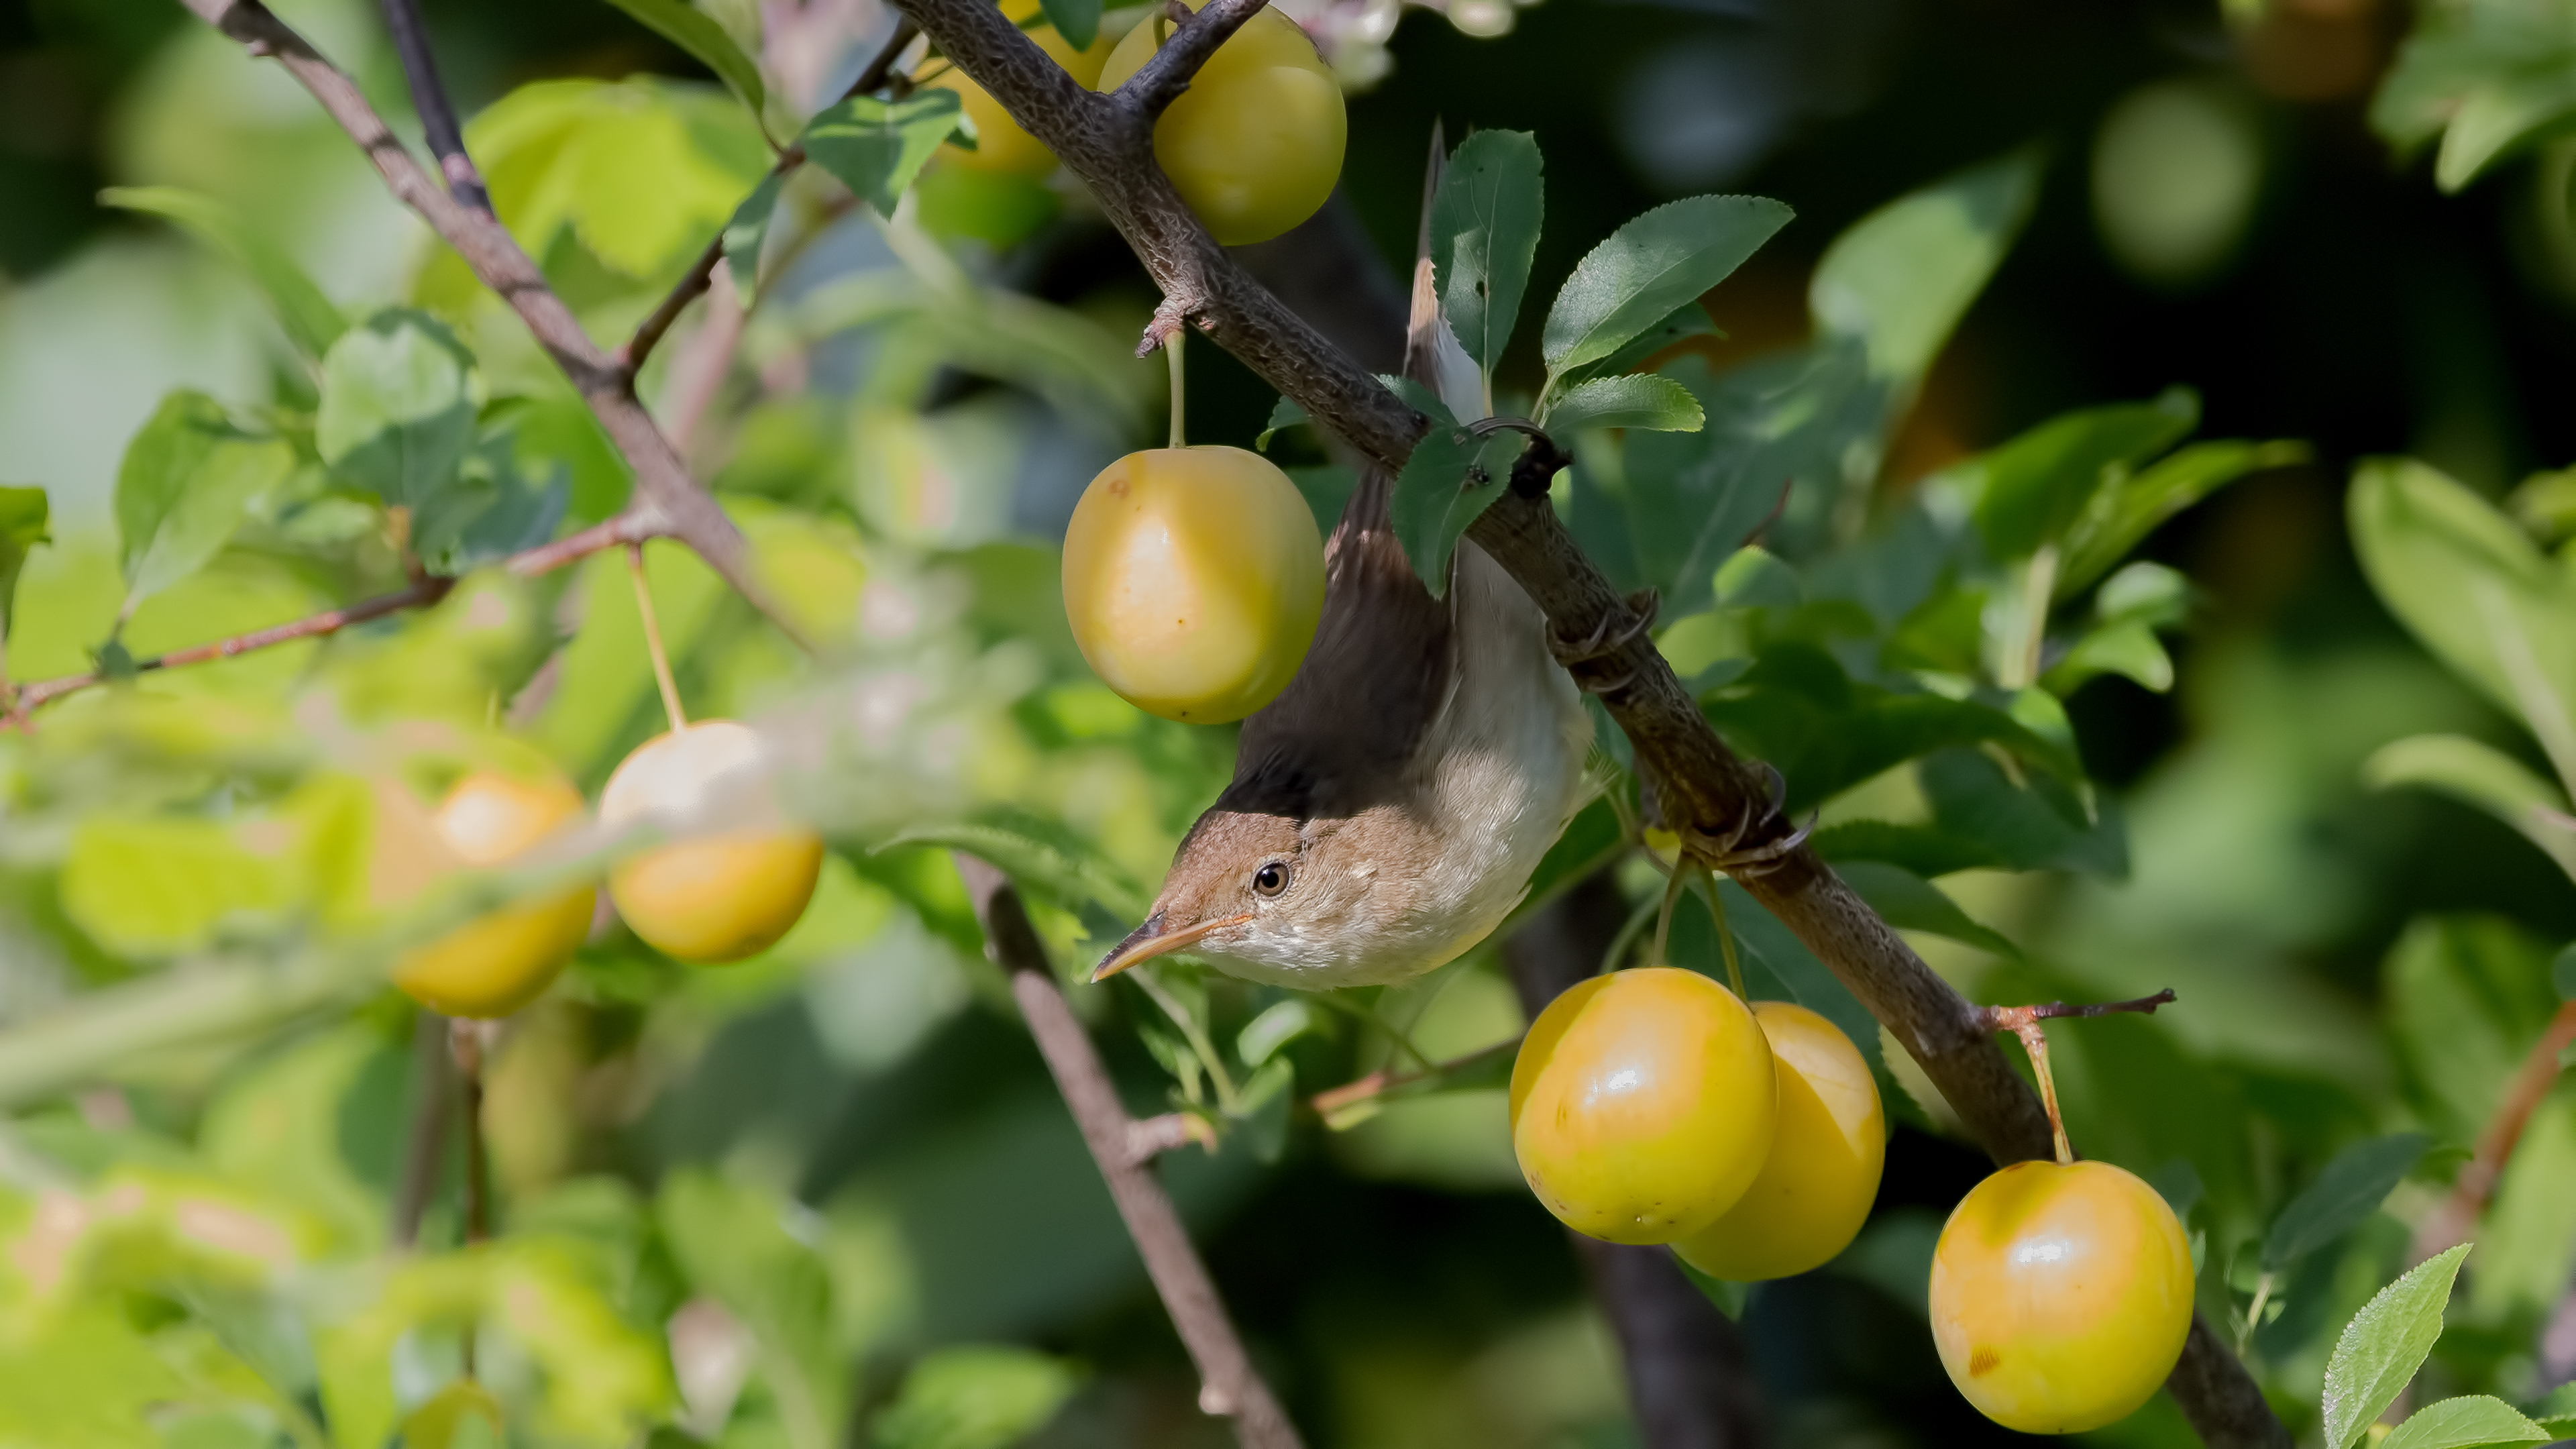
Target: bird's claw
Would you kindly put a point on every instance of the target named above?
(1728, 852)
(1607, 638)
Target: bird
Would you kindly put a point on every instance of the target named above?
(1388, 808)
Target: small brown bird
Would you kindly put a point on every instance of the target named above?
(1388, 808)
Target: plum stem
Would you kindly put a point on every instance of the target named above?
(1180, 387)
(2035, 1042)
(653, 640)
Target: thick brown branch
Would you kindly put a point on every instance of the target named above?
(1228, 1383)
(1168, 71)
(2451, 1223)
(1703, 784)
(661, 479)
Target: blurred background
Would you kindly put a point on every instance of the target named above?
(2214, 210)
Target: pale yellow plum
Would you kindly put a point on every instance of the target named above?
(1255, 144)
(2060, 1295)
(1816, 1188)
(497, 963)
(1000, 144)
(1194, 578)
(715, 897)
(1643, 1104)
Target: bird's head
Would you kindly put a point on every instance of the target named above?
(1275, 896)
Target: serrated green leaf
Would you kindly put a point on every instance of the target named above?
(23, 515)
(745, 233)
(1283, 414)
(2473, 588)
(399, 398)
(2384, 1345)
(1637, 400)
(1901, 277)
(312, 323)
(2479, 775)
(2132, 505)
(1452, 477)
(1484, 234)
(1648, 269)
(697, 33)
(876, 147)
(1078, 21)
(185, 484)
(2558, 1409)
(2472, 1421)
(2350, 1189)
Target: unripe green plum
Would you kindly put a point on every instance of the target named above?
(1816, 1188)
(718, 897)
(1255, 144)
(495, 964)
(1194, 578)
(1643, 1104)
(2061, 1295)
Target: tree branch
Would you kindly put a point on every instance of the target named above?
(629, 527)
(429, 97)
(1701, 782)
(1195, 36)
(2451, 1223)
(665, 491)
(1228, 1383)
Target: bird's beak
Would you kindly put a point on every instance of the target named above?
(1150, 940)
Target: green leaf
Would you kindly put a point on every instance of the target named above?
(735, 1245)
(1078, 21)
(1650, 268)
(23, 514)
(186, 481)
(1284, 414)
(312, 323)
(976, 1398)
(1637, 400)
(2562, 974)
(2471, 586)
(2031, 490)
(2473, 1421)
(1451, 479)
(2344, 1195)
(877, 147)
(2499, 117)
(1901, 277)
(1925, 850)
(2130, 650)
(399, 398)
(1037, 857)
(1729, 1297)
(1910, 903)
(1279, 1024)
(2131, 507)
(744, 235)
(492, 509)
(2479, 775)
(697, 33)
(1265, 1102)
(2558, 1410)
(1484, 233)
(2383, 1346)
(1688, 320)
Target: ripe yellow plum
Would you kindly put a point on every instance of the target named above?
(1643, 1104)
(497, 963)
(1000, 144)
(719, 896)
(1194, 578)
(1255, 144)
(1816, 1188)
(2061, 1295)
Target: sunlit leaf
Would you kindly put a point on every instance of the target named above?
(185, 483)
(2131, 505)
(1484, 234)
(22, 527)
(2474, 1421)
(747, 231)
(1900, 278)
(696, 32)
(2480, 775)
(312, 323)
(876, 147)
(2384, 1344)
(399, 398)
(1649, 268)
(2031, 490)
(1637, 400)
(975, 1398)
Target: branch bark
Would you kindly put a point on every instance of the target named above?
(429, 97)
(2450, 1224)
(1690, 1380)
(666, 493)
(1107, 142)
(1229, 1385)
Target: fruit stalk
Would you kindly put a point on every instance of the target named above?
(1229, 1385)
(653, 640)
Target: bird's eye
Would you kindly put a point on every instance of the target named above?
(1271, 879)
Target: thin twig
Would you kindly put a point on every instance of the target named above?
(694, 282)
(1229, 1385)
(2014, 1018)
(1379, 1083)
(471, 1043)
(437, 114)
(633, 526)
(433, 1100)
(661, 478)
(1168, 71)
(2450, 1224)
